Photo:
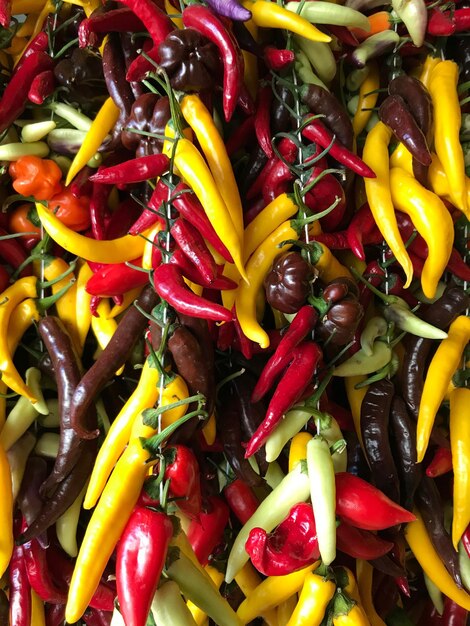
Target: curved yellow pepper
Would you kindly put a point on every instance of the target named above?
(248, 579)
(298, 448)
(367, 99)
(379, 195)
(441, 369)
(314, 598)
(459, 426)
(431, 219)
(364, 571)
(118, 250)
(6, 513)
(66, 305)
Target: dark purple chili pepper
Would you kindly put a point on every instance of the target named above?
(29, 500)
(289, 282)
(19, 590)
(114, 71)
(55, 614)
(230, 8)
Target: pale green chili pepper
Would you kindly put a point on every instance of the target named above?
(401, 315)
(361, 363)
(169, 608)
(375, 46)
(376, 327)
(17, 457)
(36, 130)
(464, 564)
(320, 56)
(48, 445)
(67, 524)
(414, 15)
(14, 151)
(305, 72)
(321, 475)
(318, 12)
(435, 594)
(69, 113)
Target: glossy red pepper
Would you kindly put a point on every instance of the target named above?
(208, 24)
(241, 136)
(42, 87)
(13, 253)
(241, 499)
(5, 13)
(169, 285)
(38, 574)
(361, 229)
(440, 23)
(116, 279)
(454, 615)
(366, 507)
(55, 614)
(150, 215)
(99, 210)
(182, 470)
(94, 617)
(4, 278)
(192, 243)
(81, 185)
(141, 555)
(290, 547)
(344, 35)
(19, 590)
(192, 273)
(39, 43)
(262, 119)
(206, 532)
(300, 327)
(156, 21)
(133, 171)
(92, 29)
(326, 191)
(466, 540)
(277, 181)
(317, 132)
(277, 59)
(288, 150)
(440, 464)
(303, 362)
(360, 544)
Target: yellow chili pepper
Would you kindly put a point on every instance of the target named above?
(355, 398)
(144, 396)
(355, 617)
(273, 215)
(6, 513)
(127, 300)
(26, 6)
(248, 580)
(103, 328)
(12, 296)
(328, 266)
(402, 157)
(271, 592)
(38, 616)
(298, 448)
(459, 427)
(257, 267)
(431, 219)
(196, 173)
(27, 27)
(82, 306)
(364, 571)
(149, 246)
(421, 545)
(314, 598)
(351, 589)
(104, 121)
(441, 369)
(172, 14)
(118, 250)
(368, 95)
(427, 69)
(379, 195)
(440, 184)
(447, 121)
(213, 147)
(46, 9)
(106, 525)
(285, 609)
(209, 430)
(66, 525)
(272, 15)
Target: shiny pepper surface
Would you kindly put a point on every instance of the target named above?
(35, 177)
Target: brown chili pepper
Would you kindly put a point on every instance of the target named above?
(116, 353)
(251, 414)
(150, 113)
(114, 70)
(288, 283)
(396, 115)
(344, 313)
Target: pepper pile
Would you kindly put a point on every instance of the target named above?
(234, 297)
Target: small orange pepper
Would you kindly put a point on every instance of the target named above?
(33, 176)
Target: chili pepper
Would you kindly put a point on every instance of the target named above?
(13, 253)
(113, 356)
(15, 95)
(20, 590)
(91, 29)
(42, 87)
(360, 228)
(291, 546)
(156, 21)
(205, 532)
(420, 543)
(364, 571)
(170, 286)
(280, 17)
(277, 59)
(55, 614)
(441, 463)
(262, 120)
(36, 177)
(303, 323)
(317, 591)
(133, 171)
(447, 120)
(169, 607)
(441, 369)
(322, 102)
(271, 592)
(141, 556)
(379, 195)
(365, 506)
(460, 459)
(303, 363)
(294, 488)
(115, 279)
(317, 132)
(429, 503)
(192, 273)
(440, 23)
(114, 69)
(375, 412)
(367, 99)
(5, 13)
(241, 499)
(240, 138)
(208, 24)
(360, 544)
(182, 470)
(39, 575)
(194, 247)
(454, 615)
(404, 438)
(150, 216)
(231, 9)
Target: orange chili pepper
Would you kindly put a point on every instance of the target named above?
(35, 177)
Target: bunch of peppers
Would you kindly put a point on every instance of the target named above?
(234, 313)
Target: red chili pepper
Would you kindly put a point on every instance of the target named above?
(262, 120)
(317, 132)
(334, 241)
(92, 29)
(93, 617)
(240, 137)
(4, 278)
(15, 95)
(241, 499)
(360, 227)
(149, 216)
(192, 273)
(133, 171)
(360, 544)
(99, 210)
(290, 547)
(403, 585)
(206, 532)
(141, 554)
(81, 185)
(55, 614)
(366, 507)
(182, 470)
(141, 65)
(304, 359)
(122, 218)
(169, 285)
(13, 253)
(208, 24)
(325, 192)
(155, 21)
(454, 614)
(466, 540)
(277, 181)
(344, 35)
(194, 247)
(19, 590)
(38, 574)
(302, 324)
(189, 207)
(440, 464)
(461, 19)
(277, 59)
(40, 43)
(241, 343)
(5, 13)
(115, 279)
(440, 23)
(42, 87)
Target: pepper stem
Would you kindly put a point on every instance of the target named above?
(385, 299)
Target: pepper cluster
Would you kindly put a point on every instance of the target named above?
(234, 313)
